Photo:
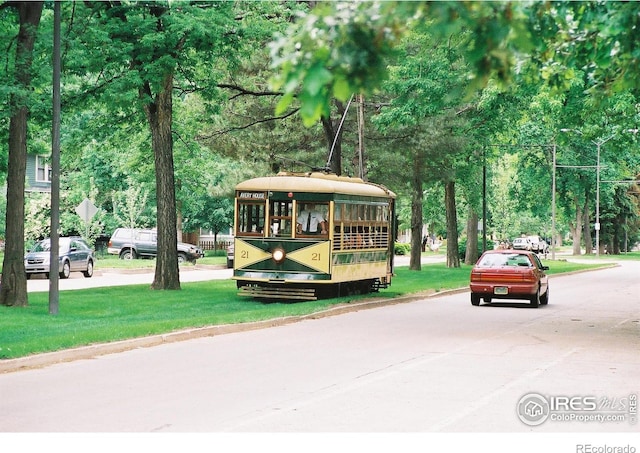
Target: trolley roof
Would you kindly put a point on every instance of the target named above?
(316, 182)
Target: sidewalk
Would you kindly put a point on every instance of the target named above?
(122, 277)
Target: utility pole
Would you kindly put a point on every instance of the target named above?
(54, 259)
(597, 167)
(553, 207)
(361, 163)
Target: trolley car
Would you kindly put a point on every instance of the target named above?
(309, 235)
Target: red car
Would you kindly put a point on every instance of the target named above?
(509, 274)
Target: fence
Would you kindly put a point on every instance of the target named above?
(214, 245)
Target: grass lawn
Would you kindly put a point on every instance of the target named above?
(107, 314)
(104, 261)
(628, 256)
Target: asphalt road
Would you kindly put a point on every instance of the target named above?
(429, 366)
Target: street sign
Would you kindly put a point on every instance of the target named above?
(86, 210)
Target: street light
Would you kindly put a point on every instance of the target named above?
(598, 145)
(553, 206)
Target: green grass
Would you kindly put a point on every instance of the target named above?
(113, 262)
(101, 315)
(561, 266)
(629, 256)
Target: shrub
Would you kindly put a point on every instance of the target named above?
(402, 248)
(219, 252)
(462, 247)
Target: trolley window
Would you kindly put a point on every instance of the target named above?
(281, 218)
(361, 225)
(251, 217)
(312, 219)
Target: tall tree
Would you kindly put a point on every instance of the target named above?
(425, 85)
(14, 283)
(453, 259)
(150, 46)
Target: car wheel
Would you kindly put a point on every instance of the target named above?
(535, 299)
(66, 270)
(89, 272)
(128, 254)
(28, 276)
(544, 300)
(181, 258)
(475, 299)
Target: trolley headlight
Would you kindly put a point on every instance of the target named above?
(278, 255)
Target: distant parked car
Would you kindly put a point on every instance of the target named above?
(537, 243)
(74, 253)
(130, 244)
(509, 274)
(543, 247)
(522, 244)
(230, 254)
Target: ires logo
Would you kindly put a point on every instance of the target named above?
(534, 409)
(574, 403)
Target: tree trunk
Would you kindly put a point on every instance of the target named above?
(159, 114)
(334, 136)
(586, 228)
(617, 237)
(453, 260)
(14, 281)
(576, 230)
(359, 161)
(415, 260)
(471, 253)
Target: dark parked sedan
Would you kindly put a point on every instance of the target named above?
(509, 274)
(75, 256)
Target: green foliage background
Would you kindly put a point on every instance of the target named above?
(440, 89)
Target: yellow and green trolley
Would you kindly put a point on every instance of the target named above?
(280, 255)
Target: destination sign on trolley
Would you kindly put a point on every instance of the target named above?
(253, 195)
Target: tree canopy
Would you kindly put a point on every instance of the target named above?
(182, 100)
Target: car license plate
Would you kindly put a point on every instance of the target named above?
(501, 290)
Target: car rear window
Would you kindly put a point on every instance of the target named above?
(504, 259)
